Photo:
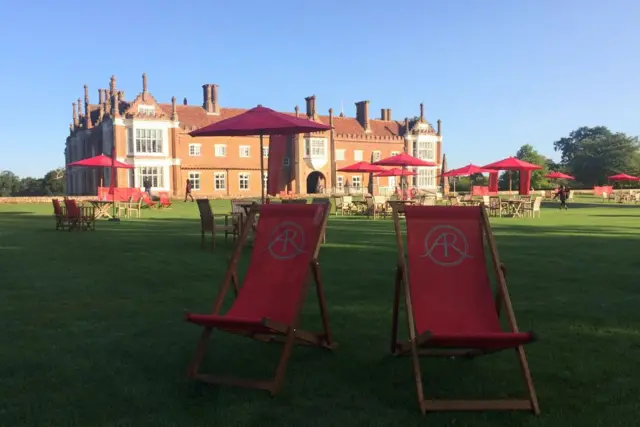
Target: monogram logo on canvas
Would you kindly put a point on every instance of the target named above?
(286, 241)
(446, 246)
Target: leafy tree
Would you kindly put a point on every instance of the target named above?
(9, 183)
(592, 154)
(29, 187)
(54, 182)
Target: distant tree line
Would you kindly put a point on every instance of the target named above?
(53, 183)
(588, 154)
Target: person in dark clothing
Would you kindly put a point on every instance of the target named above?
(187, 191)
(147, 187)
(562, 194)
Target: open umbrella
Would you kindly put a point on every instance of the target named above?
(102, 161)
(510, 164)
(260, 121)
(558, 175)
(404, 160)
(396, 172)
(623, 177)
(362, 168)
(468, 170)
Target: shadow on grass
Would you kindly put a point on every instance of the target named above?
(15, 213)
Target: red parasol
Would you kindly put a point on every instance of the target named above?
(558, 175)
(466, 171)
(623, 177)
(102, 161)
(260, 121)
(362, 168)
(404, 160)
(512, 163)
(396, 172)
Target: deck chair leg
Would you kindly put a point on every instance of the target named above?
(396, 307)
(284, 361)
(197, 358)
(524, 365)
(315, 269)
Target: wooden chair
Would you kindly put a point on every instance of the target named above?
(135, 206)
(79, 218)
(451, 309)
(208, 224)
(269, 302)
(531, 208)
(59, 215)
(122, 208)
(497, 207)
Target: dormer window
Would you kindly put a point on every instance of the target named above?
(147, 110)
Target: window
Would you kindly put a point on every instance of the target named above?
(339, 155)
(147, 110)
(286, 161)
(425, 150)
(245, 151)
(194, 177)
(357, 155)
(220, 181)
(265, 151)
(130, 139)
(221, 150)
(265, 181)
(395, 153)
(315, 147)
(340, 183)
(153, 174)
(148, 140)
(355, 182)
(376, 156)
(194, 149)
(243, 181)
(426, 177)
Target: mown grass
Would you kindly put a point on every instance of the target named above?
(93, 331)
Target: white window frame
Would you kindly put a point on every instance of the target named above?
(376, 155)
(315, 147)
(219, 176)
(265, 151)
(147, 110)
(220, 150)
(426, 150)
(355, 179)
(195, 177)
(358, 155)
(244, 151)
(265, 181)
(426, 177)
(286, 161)
(340, 182)
(134, 133)
(340, 155)
(242, 175)
(140, 177)
(194, 150)
(395, 153)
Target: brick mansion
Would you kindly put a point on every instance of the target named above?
(154, 138)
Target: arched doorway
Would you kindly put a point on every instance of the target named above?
(315, 182)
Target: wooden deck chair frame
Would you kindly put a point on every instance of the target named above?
(412, 347)
(287, 334)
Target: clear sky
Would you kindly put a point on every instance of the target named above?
(499, 73)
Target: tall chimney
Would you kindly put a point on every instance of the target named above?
(184, 101)
(115, 103)
(87, 113)
(112, 85)
(383, 114)
(311, 107)
(174, 109)
(421, 112)
(362, 115)
(100, 97)
(75, 115)
(439, 127)
(79, 110)
(214, 99)
(388, 114)
(206, 98)
(297, 110)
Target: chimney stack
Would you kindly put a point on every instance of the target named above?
(115, 103)
(75, 115)
(112, 85)
(87, 113)
(79, 110)
(215, 105)
(383, 114)
(421, 112)
(206, 98)
(144, 83)
(297, 110)
(362, 115)
(174, 110)
(184, 101)
(388, 114)
(100, 97)
(439, 127)
(311, 107)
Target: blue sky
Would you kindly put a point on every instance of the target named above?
(499, 73)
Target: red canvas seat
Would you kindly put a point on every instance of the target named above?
(284, 256)
(448, 292)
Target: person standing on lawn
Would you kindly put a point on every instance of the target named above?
(187, 191)
(562, 194)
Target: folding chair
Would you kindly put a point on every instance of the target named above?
(59, 215)
(268, 305)
(451, 310)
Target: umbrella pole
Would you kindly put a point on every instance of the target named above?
(112, 184)
(261, 169)
(509, 183)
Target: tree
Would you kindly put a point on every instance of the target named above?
(530, 155)
(9, 183)
(592, 154)
(54, 182)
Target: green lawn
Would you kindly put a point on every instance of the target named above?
(93, 331)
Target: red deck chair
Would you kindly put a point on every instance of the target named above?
(451, 309)
(79, 217)
(146, 199)
(165, 202)
(59, 214)
(268, 305)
